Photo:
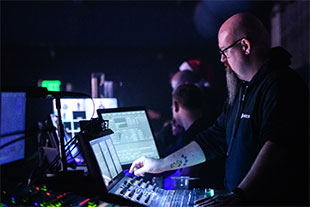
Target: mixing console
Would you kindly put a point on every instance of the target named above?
(40, 196)
(147, 194)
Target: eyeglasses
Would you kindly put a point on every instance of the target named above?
(222, 52)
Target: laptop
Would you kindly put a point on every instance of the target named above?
(111, 184)
(133, 135)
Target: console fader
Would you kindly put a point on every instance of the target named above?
(148, 194)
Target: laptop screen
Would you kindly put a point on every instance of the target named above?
(107, 158)
(133, 136)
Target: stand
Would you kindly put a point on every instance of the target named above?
(61, 133)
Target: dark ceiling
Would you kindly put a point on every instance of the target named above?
(122, 24)
(137, 44)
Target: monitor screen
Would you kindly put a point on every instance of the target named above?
(107, 158)
(75, 109)
(133, 136)
(13, 125)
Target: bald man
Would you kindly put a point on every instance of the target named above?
(263, 131)
(182, 77)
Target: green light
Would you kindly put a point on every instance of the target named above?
(212, 192)
(92, 204)
(51, 85)
(13, 201)
(209, 192)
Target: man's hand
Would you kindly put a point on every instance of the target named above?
(145, 165)
(228, 199)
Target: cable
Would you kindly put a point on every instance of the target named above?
(74, 157)
(12, 142)
(94, 107)
(12, 133)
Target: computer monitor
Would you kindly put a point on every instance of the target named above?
(75, 109)
(13, 126)
(133, 136)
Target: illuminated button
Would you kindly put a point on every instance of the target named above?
(138, 190)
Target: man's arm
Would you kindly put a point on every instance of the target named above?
(268, 166)
(189, 155)
(261, 178)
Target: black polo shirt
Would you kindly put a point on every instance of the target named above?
(273, 106)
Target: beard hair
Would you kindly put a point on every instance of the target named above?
(231, 81)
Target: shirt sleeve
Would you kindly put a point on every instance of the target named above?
(212, 141)
(285, 113)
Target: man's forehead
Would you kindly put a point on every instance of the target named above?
(223, 37)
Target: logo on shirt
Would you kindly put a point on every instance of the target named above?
(245, 116)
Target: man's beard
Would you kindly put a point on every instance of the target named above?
(231, 81)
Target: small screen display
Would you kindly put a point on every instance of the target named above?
(106, 157)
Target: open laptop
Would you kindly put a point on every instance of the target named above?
(133, 135)
(113, 186)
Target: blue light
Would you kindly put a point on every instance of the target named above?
(35, 203)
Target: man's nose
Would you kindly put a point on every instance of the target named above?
(223, 58)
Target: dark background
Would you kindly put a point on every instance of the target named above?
(137, 44)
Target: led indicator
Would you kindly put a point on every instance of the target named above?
(212, 192)
(83, 202)
(35, 203)
(60, 196)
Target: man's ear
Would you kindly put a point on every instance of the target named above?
(176, 106)
(246, 46)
